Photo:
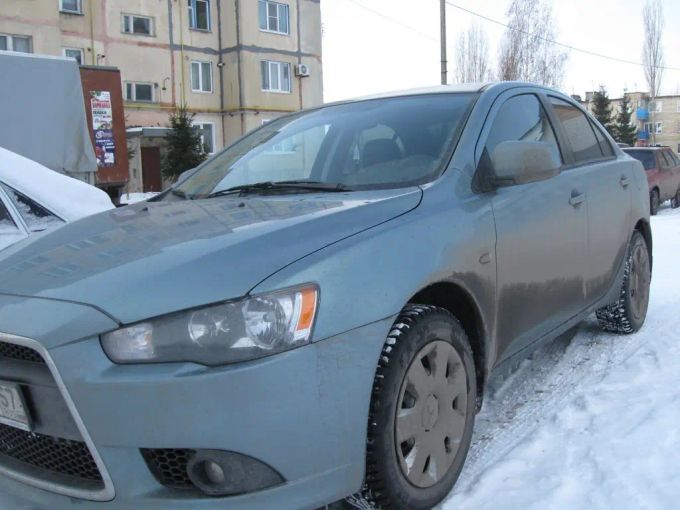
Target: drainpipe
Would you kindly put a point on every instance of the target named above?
(94, 52)
(182, 91)
(299, 51)
(237, 6)
(220, 65)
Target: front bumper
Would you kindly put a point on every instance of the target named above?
(303, 413)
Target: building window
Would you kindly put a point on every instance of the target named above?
(74, 53)
(659, 127)
(21, 43)
(201, 76)
(140, 25)
(274, 17)
(678, 107)
(207, 132)
(136, 91)
(199, 14)
(656, 128)
(658, 106)
(275, 76)
(71, 6)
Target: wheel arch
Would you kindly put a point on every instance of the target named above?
(645, 229)
(459, 301)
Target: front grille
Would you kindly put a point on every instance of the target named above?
(58, 456)
(169, 466)
(19, 352)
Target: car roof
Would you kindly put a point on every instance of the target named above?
(649, 149)
(65, 196)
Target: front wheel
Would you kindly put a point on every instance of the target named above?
(627, 315)
(422, 412)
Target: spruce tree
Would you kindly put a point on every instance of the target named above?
(184, 149)
(602, 109)
(624, 131)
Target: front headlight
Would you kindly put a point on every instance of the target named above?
(219, 334)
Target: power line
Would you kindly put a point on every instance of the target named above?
(556, 43)
(395, 21)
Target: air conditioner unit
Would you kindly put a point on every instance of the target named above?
(302, 70)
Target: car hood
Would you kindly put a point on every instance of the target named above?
(153, 258)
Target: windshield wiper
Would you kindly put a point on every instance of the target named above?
(282, 185)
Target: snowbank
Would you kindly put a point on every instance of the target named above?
(69, 198)
(589, 421)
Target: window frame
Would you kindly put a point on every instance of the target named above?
(193, 19)
(81, 51)
(9, 191)
(10, 41)
(279, 6)
(134, 88)
(200, 76)
(69, 11)
(280, 65)
(564, 138)
(152, 24)
(212, 131)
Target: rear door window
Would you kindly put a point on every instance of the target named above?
(665, 161)
(606, 147)
(579, 132)
(37, 218)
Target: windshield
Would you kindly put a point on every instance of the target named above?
(379, 143)
(645, 157)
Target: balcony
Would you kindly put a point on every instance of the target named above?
(642, 114)
(643, 135)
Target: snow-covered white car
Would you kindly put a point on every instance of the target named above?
(34, 198)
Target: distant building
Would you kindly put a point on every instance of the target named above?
(657, 122)
(234, 63)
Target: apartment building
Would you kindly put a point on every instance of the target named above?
(234, 63)
(658, 121)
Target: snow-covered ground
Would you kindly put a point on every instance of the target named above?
(131, 198)
(591, 420)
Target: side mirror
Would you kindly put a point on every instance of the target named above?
(520, 162)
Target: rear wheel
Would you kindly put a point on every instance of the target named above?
(675, 201)
(654, 202)
(422, 412)
(628, 314)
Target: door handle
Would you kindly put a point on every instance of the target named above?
(576, 198)
(624, 181)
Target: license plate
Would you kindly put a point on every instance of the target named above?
(13, 410)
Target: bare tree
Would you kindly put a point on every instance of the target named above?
(652, 51)
(472, 55)
(526, 52)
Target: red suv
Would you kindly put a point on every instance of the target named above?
(662, 166)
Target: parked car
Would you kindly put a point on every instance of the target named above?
(34, 198)
(662, 166)
(314, 313)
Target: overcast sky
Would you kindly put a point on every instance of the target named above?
(364, 53)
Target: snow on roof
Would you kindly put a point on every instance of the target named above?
(68, 198)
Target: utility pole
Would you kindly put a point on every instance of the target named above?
(442, 20)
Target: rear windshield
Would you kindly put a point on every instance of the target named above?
(380, 143)
(645, 157)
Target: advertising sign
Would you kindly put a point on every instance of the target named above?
(102, 124)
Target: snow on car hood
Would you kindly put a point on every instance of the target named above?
(153, 258)
(68, 198)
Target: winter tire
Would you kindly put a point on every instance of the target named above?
(422, 412)
(675, 201)
(654, 202)
(628, 314)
